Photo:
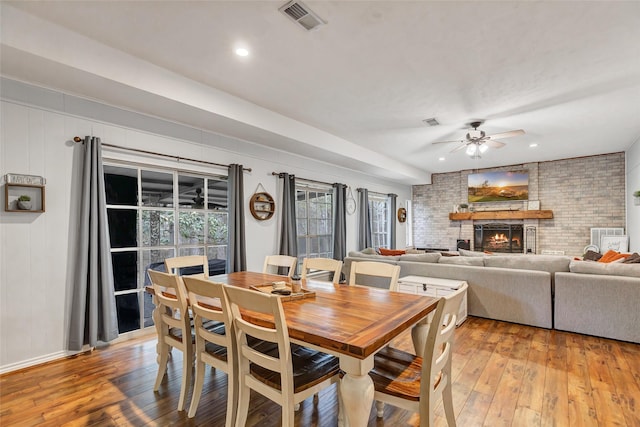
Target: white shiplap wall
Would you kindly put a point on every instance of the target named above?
(36, 250)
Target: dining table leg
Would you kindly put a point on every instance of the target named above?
(356, 391)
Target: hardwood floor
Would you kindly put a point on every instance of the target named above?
(504, 375)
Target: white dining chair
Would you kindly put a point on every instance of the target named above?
(417, 383)
(273, 264)
(332, 266)
(214, 346)
(362, 271)
(286, 375)
(173, 325)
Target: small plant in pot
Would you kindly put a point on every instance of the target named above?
(636, 197)
(24, 202)
(463, 207)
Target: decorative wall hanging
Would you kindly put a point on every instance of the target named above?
(262, 205)
(350, 204)
(402, 215)
(24, 193)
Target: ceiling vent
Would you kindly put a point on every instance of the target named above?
(300, 13)
(431, 122)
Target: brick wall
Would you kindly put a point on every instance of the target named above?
(582, 193)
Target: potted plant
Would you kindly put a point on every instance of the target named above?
(24, 202)
(463, 207)
(636, 197)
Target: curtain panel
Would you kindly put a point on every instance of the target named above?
(339, 221)
(237, 257)
(288, 231)
(392, 220)
(364, 220)
(93, 316)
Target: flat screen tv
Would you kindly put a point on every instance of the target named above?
(498, 186)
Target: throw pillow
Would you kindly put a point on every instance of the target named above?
(387, 252)
(369, 251)
(611, 256)
(592, 256)
(634, 258)
(465, 252)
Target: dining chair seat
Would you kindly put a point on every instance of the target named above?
(388, 363)
(310, 368)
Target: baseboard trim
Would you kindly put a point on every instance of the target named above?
(35, 361)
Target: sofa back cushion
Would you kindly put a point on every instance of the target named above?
(461, 260)
(548, 263)
(611, 269)
(430, 257)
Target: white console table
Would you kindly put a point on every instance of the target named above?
(434, 287)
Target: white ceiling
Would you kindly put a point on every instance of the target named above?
(353, 92)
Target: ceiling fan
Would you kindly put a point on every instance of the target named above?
(477, 142)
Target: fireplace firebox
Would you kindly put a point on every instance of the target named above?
(496, 237)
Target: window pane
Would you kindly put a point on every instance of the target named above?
(148, 309)
(218, 230)
(122, 227)
(190, 251)
(157, 188)
(153, 259)
(218, 253)
(125, 270)
(301, 225)
(121, 185)
(217, 194)
(157, 228)
(325, 245)
(190, 192)
(191, 228)
(128, 310)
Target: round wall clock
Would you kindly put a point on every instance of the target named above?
(402, 215)
(262, 206)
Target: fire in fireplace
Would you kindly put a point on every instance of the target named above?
(506, 238)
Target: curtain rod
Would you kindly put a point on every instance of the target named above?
(279, 174)
(377, 193)
(153, 153)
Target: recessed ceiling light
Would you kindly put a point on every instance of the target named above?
(241, 51)
(533, 145)
(441, 159)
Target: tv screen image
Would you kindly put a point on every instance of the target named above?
(498, 186)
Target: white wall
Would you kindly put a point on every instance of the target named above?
(633, 185)
(36, 250)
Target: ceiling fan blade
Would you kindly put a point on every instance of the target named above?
(494, 144)
(448, 142)
(459, 147)
(506, 134)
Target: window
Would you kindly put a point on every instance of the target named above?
(314, 216)
(380, 224)
(158, 214)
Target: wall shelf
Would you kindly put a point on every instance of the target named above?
(13, 191)
(469, 216)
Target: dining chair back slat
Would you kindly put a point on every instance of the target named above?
(376, 270)
(332, 266)
(273, 264)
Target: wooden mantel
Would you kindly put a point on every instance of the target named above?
(462, 216)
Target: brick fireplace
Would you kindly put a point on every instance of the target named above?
(499, 237)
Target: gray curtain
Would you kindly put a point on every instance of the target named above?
(237, 257)
(339, 221)
(364, 220)
(392, 220)
(288, 230)
(93, 304)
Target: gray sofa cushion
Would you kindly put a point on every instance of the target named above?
(548, 263)
(611, 269)
(432, 257)
(464, 252)
(461, 260)
(374, 257)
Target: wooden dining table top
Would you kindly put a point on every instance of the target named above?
(353, 320)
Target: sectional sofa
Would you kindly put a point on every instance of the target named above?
(538, 290)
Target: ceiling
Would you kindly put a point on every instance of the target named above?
(353, 92)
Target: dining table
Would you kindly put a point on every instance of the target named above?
(350, 322)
